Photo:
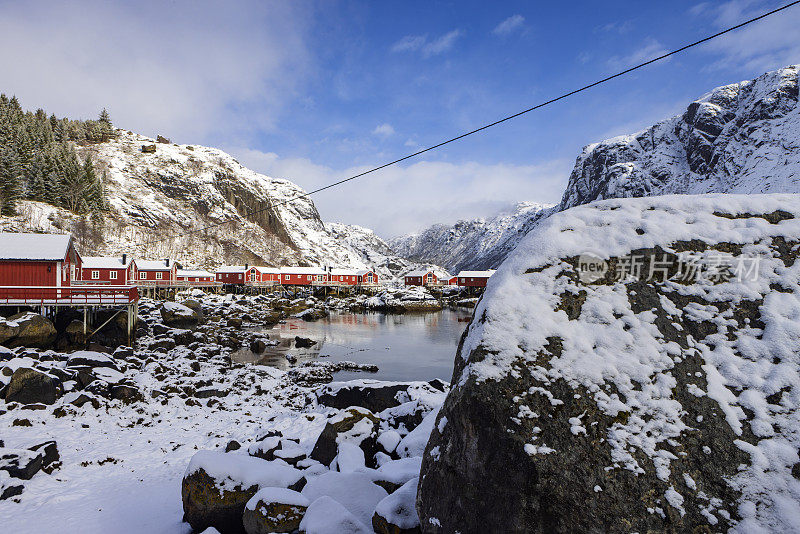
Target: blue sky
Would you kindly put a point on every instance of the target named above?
(314, 92)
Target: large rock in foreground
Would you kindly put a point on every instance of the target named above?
(29, 330)
(656, 391)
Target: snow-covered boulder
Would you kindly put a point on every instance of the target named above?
(632, 366)
(327, 516)
(274, 510)
(354, 491)
(91, 358)
(30, 386)
(397, 514)
(178, 315)
(29, 330)
(217, 485)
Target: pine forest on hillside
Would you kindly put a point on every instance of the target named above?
(38, 160)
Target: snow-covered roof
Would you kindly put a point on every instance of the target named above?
(34, 247)
(267, 270)
(418, 272)
(154, 265)
(476, 274)
(344, 272)
(232, 269)
(362, 272)
(105, 262)
(302, 270)
(200, 273)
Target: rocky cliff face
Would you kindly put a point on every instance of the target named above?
(740, 138)
(475, 244)
(658, 395)
(156, 198)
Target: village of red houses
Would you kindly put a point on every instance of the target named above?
(38, 269)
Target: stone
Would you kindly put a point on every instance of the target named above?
(34, 331)
(75, 334)
(162, 139)
(303, 342)
(51, 459)
(92, 359)
(217, 486)
(148, 149)
(126, 393)
(206, 393)
(234, 322)
(357, 424)
(373, 395)
(232, 445)
(606, 404)
(257, 346)
(274, 510)
(21, 463)
(8, 330)
(179, 316)
(29, 386)
(396, 513)
(196, 306)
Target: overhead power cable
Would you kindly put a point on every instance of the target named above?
(500, 121)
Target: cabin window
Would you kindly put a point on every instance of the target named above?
(72, 272)
(463, 280)
(471, 279)
(143, 276)
(159, 276)
(112, 275)
(95, 275)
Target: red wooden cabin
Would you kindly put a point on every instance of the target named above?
(474, 278)
(231, 274)
(262, 275)
(425, 277)
(367, 277)
(113, 270)
(302, 276)
(38, 260)
(197, 276)
(158, 272)
(344, 277)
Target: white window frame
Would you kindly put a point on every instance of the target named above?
(142, 275)
(159, 276)
(112, 275)
(95, 275)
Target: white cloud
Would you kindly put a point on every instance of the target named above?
(510, 25)
(186, 70)
(402, 199)
(649, 50)
(765, 45)
(426, 47)
(383, 130)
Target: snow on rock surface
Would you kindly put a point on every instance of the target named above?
(662, 394)
(398, 509)
(327, 516)
(354, 491)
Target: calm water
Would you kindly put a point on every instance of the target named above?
(404, 347)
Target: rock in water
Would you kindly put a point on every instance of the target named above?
(591, 395)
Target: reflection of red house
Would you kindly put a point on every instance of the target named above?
(108, 269)
(38, 260)
(302, 276)
(474, 278)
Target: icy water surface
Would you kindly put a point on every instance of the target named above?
(404, 347)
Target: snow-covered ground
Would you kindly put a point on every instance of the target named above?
(123, 460)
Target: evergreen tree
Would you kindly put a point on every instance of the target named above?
(105, 119)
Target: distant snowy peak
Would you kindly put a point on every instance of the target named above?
(472, 244)
(740, 138)
(371, 249)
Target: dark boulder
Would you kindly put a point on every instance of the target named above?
(34, 331)
(29, 386)
(373, 395)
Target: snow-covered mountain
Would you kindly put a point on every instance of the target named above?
(156, 198)
(740, 138)
(473, 244)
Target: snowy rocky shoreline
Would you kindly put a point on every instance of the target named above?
(339, 455)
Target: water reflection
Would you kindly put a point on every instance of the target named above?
(404, 347)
